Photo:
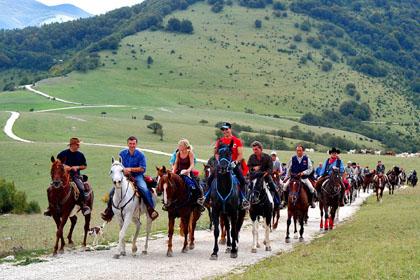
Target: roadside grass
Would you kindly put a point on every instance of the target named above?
(24, 101)
(380, 242)
(227, 64)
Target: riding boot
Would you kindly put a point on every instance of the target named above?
(108, 213)
(153, 214)
(312, 199)
(200, 199)
(285, 201)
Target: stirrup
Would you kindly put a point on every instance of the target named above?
(245, 205)
(47, 212)
(107, 215)
(153, 214)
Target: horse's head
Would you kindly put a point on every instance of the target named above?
(257, 190)
(116, 172)
(225, 157)
(294, 189)
(59, 176)
(168, 185)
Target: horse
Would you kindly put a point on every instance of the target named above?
(329, 200)
(297, 206)
(62, 199)
(412, 178)
(262, 205)
(178, 202)
(225, 202)
(379, 182)
(402, 177)
(367, 181)
(353, 188)
(127, 206)
(276, 211)
(392, 180)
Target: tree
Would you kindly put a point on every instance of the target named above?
(155, 127)
(258, 23)
(186, 27)
(149, 60)
(174, 25)
(326, 66)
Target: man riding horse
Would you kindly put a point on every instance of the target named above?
(134, 163)
(300, 165)
(237, 158)
(261, 165)
(333, 162)
(380, 168)
(74, 161)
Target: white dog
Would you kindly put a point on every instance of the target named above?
(97, 233)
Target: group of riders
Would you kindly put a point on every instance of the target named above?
(259, 164)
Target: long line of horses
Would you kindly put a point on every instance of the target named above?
(224, 209)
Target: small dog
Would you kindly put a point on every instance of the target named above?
(97, 233)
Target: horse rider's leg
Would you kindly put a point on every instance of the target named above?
(147, 195)
(311, 191)
(148, 230)
(171, 224)
(86, 228)
(216, 232)
(242, 186)
(108, 214)
(198, 192)
(79, 183)
(73, 221)
(285, 194)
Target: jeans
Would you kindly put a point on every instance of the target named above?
(79, 183)
(142, 188)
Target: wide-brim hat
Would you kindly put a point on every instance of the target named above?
(225, 125)
(334, 150)
(73, 141)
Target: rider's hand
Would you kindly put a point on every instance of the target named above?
(127, 171)
(265, 174)
(256, 168)
(184, 172)
(67, 168)
(75, 168)
(233, 164)
(300, 174)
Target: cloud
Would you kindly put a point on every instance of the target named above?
(94, 6)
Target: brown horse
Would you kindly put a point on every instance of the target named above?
(276, 211)
(368, 180)
(62, 199)
(177, 201)
(392, 179)
(379, 182)
(297, 206)
(329, 200)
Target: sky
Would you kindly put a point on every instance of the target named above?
(95, 7)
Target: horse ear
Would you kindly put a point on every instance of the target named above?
(169, 174)
(120, 158)
(164, 169)
(112, 160)
(52, 159)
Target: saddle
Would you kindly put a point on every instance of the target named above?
(75, 190)
(150, 183)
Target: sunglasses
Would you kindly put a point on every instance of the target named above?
(224, 129)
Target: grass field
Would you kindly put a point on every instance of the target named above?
(380, 242)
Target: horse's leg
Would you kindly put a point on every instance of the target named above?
(254, 234)
(276, 217)
(195, 216)
(216, 232)
(171, 224)
(57, 221)
(123, 228)
(301, 222)
(148, 230)
(60, 230)
(326, 216)
(136, 221)
(234, 232)
(223, 229)
(295, 235)
(185, 221)
(73, 220)
(86, 228)
(267, 233)
(321, 223)
(333, 210)
(228, 235)
(210, 218)
(289, 221)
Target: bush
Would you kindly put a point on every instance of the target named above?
(13, 201)
(203, 122)
(155, 127)
(148, 118)
(279, 6)
(326, 66)
(297, 38)
(361, 112)
(350, 89)
(258, 23)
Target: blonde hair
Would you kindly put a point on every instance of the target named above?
(185, 143)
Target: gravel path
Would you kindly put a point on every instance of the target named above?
(192, 265)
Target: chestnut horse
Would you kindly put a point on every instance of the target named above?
(62, 199)
(329, 199)
(379, 182)
(279, 190)
(368, 180)
(297, 206)
(177, 201)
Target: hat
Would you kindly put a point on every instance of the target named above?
(349, 161)
(226, 125)
(74, 140)
(273, 153)
(334, 150)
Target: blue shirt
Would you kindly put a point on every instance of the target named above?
(318, 171)
(330, 167)
(136, 160)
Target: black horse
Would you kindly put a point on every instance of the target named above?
(412, 178)
(329, 199)
(225, 202)
(262, 205)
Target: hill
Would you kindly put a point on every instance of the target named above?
(23, 13)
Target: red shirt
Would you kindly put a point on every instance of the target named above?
(236, 144)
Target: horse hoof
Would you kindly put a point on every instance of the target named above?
(70, 245)
(116, 256)
(301, 239)
(264, 242)
(253, 250)
(287, 240)
(144, 252)
(228, 250)
(54, 254)
(191, 247)
(123, 254)
(295, 236)
(222, 242)
(134, 250)
(185, 250)
(213, 257)
(233, 255)
(259, 246)
(268, 249)
(169, 254)
(61, 251)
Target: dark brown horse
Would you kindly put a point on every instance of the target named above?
(62, 199)
(329, 200)
(367, 181)
(177, 201)
(276, 211)
(379, 182)
(297, 207)
(392, 179)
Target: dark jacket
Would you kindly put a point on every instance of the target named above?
(265, 164)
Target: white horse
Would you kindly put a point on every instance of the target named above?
(125, 205)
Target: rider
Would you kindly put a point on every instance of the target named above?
(365, 171)
(134, 163)
(183, 166)
(347, 169)
(276, 163)
(380, 168)
(74, 161)
(327, 167)
(300, 165)
(318, 171)
(237, 159)
(260, 164)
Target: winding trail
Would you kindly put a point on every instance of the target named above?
(30, 88)
(8, 128)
